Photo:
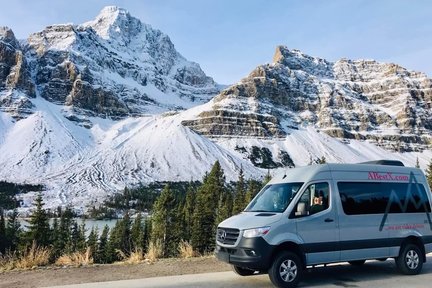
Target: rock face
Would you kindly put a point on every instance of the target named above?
(113, 66)
(15, 77)
(363, 99)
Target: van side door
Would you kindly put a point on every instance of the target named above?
(362, 231)
(317, 224)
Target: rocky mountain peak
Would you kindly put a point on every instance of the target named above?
(296, 60)
(115, 22)
(7, 36)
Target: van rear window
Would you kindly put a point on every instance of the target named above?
(381, 197)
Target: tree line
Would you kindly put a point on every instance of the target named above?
(176, 217)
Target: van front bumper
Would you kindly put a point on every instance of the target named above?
(250, 253)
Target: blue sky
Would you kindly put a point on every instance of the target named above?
(229, 38)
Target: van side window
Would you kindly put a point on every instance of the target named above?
(313, 200)
(376, 197)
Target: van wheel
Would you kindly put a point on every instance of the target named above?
(242, 271)
(286, 270)
(410, 261)
(357, 262)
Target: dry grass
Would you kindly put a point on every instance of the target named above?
(154, 251)
(186, 251)
(135, 257)
(34, 257)
(76, 259)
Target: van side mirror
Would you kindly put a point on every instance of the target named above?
(301, 209)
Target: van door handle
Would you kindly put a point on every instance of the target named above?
(328, 220)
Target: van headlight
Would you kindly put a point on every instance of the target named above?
(256, 232)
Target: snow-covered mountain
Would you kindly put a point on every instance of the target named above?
(89, 109)
(112, 66)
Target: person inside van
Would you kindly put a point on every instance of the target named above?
(317, 204)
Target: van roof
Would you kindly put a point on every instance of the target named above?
(323, 171)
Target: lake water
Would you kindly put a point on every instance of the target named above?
(89, 223)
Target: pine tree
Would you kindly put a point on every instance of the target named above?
(63, 235)
(429, 174)
(39, 229)
(3, 240)
(55, 235)
(239, 199)
(179, 228)
(204, 225)
(225, 206)
(113, 244)
(119, 239)
(417, 165)
(188, 211)
(13, 231)
(92, 242)
(147, 232)
(163, 221)
(72, 245)
(103, 253)
(252, 190)
(137, 233)
(81, 242)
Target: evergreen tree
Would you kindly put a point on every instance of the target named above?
(92, 242)
(163, 221)
(239, 199)
(39, 229)
(81, 243)
(147, 232)
(120, 237)
(429, 174)
(3, 240)
(179, 228)
(417, 165)
(63, 234)
(113, 244)
(72, 245)
(13, 231)
(225, 206)
(137, 233)
(103, 254)
(188, 212)
(55, 235)
(252, 190)
(204, 225)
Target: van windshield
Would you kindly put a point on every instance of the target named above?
(274, 198)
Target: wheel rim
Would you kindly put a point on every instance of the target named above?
(288, 270)
(412, 259)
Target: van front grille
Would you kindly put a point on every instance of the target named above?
(227, 235)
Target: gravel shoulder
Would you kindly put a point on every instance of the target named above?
(51, 276)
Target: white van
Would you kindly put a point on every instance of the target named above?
(331, 213)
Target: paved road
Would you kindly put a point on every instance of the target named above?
(372, 274)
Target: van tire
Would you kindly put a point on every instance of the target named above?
(242, 271)
(286, 270)
(410, 260)
(357, 262)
